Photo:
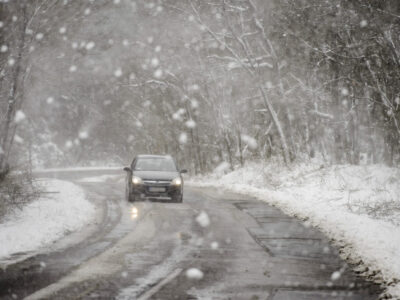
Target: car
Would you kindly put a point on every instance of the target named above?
(154, 177)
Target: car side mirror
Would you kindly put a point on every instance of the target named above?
(183, 171)
(127, 169)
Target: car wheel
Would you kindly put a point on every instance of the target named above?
(178, 199)
(128, 195)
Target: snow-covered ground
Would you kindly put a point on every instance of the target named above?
(357, 206)
(62, 209)
(76, 169)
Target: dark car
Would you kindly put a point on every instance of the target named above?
(154, 177)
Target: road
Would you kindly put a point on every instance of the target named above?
(249, 250)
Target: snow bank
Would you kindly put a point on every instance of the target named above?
(63, 210)
(357, 206)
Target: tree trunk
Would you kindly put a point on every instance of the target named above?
(6, 135)
(285, 148)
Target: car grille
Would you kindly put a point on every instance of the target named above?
(157, 182)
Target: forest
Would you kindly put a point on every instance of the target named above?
(96, 82)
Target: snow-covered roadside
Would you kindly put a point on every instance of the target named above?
(63, 209)
(357, 206)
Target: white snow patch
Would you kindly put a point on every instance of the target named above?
(46, 220)
(222, 168)
(102, 178)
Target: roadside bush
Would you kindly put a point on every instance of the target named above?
(16, 190)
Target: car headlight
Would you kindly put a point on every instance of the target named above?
(177, 181)
(136, 180)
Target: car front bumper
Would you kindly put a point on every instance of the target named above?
(156, 190)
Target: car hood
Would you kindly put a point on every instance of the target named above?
(156, 175)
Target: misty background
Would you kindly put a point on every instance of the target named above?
(97, 82)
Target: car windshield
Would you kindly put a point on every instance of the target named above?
(155, 164)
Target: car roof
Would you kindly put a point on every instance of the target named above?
(152, 156)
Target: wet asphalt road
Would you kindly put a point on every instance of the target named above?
(142, 251)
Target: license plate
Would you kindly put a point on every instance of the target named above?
(156, 189)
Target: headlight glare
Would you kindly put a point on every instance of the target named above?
(177, 181)
(136, 180)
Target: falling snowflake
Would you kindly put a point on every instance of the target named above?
(335, 275)
(249, 141)
(83, 135)
(155, 62)
(87, 11)
(214, 245)
(183, 138)
(194, 274)
(50, 100)
(62, 30)
(157, 49)
(19, 116)
(190, 124)
(68, 144)
(125, 42)
(11, 62)
(203, 219)
(118, 72)
(72, 68)
(18, 139)
(158, 73)
(3, 48)
(194, 103)
(90, 45)
(344, 91)
(363, 23)
(39, 36)
(1, 24)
